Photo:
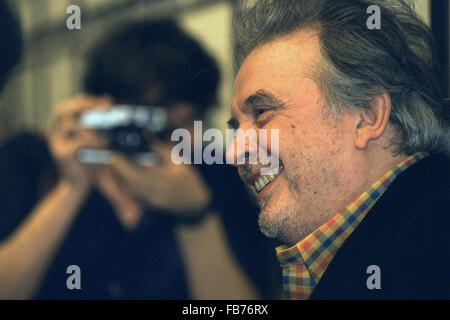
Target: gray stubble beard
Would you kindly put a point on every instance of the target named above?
(277, 225)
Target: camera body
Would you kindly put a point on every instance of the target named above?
(126, 129)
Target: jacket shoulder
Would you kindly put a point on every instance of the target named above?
(405, 234)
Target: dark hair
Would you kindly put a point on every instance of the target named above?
(159, 55)
(11, 40)
(357, 63)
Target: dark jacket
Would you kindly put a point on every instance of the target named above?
(406, 234)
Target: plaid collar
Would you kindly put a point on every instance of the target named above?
(304, 263)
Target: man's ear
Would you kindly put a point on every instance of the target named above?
(373, 121)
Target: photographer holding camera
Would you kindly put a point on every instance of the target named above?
(118, 221)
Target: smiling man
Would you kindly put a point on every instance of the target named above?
(363, 130)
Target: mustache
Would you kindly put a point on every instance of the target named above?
(247, 169)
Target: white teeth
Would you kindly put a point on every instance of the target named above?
(257, 185)
(262, 181)
(274, 172)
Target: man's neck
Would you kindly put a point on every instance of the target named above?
(378, 162)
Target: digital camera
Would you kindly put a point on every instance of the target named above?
(126, 129)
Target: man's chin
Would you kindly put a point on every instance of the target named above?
(271, 224)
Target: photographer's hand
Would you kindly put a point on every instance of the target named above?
(175, 188)
(26, 255)
(126, 206)
(66, 137)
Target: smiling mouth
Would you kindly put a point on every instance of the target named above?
(263, 181)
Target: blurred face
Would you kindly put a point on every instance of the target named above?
(273, 91)
(182, 115)
(179, 114)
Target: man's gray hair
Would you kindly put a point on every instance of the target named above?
(358, 63)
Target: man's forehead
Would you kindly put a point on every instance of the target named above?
(273, 64)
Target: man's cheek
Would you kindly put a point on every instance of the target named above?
(269, 150)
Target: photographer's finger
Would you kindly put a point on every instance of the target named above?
(104, 101)
(88, 139)
(163, 150)
(73, 107)
(125, 169)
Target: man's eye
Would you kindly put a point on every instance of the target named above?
(259, 111)
(233, 124)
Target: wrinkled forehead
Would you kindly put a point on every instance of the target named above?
(276, 65)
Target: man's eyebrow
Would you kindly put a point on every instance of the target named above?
(263, 97)
(260, 97)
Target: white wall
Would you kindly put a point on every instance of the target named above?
(211, 26)
(423, 10)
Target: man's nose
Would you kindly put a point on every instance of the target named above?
(243, 146)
